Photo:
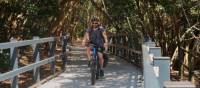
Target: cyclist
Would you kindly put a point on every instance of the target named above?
(96, 35)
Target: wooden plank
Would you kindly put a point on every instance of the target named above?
(178, 84)
(45, 80)
(118, 74)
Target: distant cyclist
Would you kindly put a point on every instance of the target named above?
(96, 35)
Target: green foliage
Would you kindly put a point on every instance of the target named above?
(120, 9)
(2, 30)
(168, 6)
(41, 8)
(4, 58)
(31, 18)
(32, 9)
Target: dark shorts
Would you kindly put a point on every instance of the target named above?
(99, 49)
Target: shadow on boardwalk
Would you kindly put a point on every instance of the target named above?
(118, 74)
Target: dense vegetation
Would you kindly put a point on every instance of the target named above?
(172, 24)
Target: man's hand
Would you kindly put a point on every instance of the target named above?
(83, 43)
(105, 44)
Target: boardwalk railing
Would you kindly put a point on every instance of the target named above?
(150, 78)
(35, 43)
(156, 69)
(121, 45)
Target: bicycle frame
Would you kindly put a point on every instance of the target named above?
(94, 53)
(95, 65)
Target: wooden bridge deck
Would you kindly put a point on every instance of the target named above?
(118, 74)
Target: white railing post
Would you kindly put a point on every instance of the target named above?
(160, 66)
(150, 79)
(36, 57)
(14, 63)
(64, 54)
(156, 51)
(52, 53)
(15, 70)
(163, 68)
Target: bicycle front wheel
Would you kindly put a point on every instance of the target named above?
(93, 72)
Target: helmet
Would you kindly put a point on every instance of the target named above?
(94, 18)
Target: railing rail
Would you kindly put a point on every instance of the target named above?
(13, 73)
(25, 43)
(16, 70)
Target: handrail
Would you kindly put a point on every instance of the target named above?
(25, 42)
(14, 45)
(15, 72)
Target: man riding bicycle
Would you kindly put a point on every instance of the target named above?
(96, 35)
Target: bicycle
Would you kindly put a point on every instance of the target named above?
(94, 66)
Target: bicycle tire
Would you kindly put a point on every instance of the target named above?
(97, 70)
(93, 72)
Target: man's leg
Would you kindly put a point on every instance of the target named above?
(88, 55)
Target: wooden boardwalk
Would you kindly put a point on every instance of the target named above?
(118, 74)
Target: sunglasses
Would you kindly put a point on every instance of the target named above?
(94, 23)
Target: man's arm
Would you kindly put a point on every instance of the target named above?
(85, 39)
(105, 37)
(87, 36)
(106, 41)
